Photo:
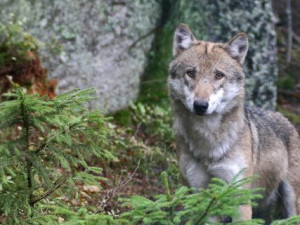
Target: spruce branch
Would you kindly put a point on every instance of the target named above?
(66, 131)
(165, 181)
(57, 184)
(204, 214)
(25, 120)
(43, 145)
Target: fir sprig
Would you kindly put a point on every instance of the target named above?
(197, 207)
(44, 147)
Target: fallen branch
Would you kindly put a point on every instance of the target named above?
(122, 184)
(57, 184)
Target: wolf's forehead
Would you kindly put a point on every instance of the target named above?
(208, 48)
(200, 55)
(203, 51)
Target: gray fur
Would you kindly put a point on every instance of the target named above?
(229, 137)
(287, 195)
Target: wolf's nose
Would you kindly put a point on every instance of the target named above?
(200, 106)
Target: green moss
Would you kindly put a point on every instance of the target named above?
(286, 83)
(154, 82)
(293, 118)
(14, 44)
(122, 117)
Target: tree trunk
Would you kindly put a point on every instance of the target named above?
(289, 32)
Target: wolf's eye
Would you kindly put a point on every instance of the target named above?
(191, 73)
(219, 75)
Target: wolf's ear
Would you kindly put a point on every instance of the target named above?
(237, 47)
(183, 39)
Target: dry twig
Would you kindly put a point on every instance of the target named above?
(111, 194)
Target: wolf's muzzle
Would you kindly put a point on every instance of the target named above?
(200, 107)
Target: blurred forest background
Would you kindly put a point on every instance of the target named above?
(122, 49)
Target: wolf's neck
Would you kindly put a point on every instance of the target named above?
(210, 135)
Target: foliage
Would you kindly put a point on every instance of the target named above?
(82, 216)
(186, 206)
(286, 83)
(293, 118)
(43, 151)
(15, 43)
(20, 63)
(191, 207)
(145, 133)
(155, 119)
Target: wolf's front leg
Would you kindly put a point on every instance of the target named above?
(227, 170)
(246, 212)
(192, 171)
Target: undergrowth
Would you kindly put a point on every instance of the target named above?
(15, 43)
(20, 64)
(43, 150)
(48, 150)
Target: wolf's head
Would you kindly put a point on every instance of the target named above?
(207, 77)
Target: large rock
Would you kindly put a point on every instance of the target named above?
(104, 43)
(215, 20)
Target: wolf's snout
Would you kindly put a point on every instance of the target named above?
(200, 107)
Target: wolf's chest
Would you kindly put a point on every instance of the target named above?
(198, 172)
(205, 153)
(206, 143)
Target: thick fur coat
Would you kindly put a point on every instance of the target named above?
(217, 136)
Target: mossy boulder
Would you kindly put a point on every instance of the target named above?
(91, 43)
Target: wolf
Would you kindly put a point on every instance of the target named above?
(218, 136)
